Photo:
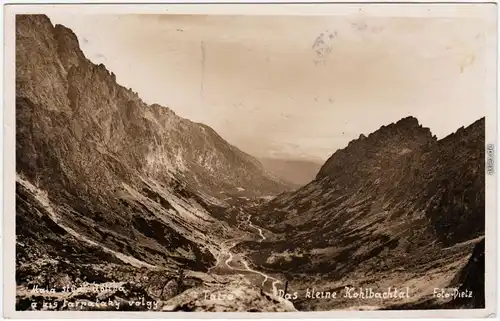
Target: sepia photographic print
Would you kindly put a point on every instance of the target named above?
(334, 159)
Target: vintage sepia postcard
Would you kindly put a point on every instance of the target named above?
(222, 159)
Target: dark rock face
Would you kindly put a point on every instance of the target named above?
(103, 178)
(84, 114)
(393, 205)
(379, 151)
(109, 187)
(471, 278)
(468, 287)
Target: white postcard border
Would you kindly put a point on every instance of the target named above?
(226, 7)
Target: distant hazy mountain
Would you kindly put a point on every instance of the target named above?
(296, 172)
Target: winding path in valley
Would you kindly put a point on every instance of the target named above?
(226, 251)
(257, 228)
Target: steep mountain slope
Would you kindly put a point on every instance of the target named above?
(113, 191)
(104, 178)
(387, 210)
(297, 172)
(99, 116)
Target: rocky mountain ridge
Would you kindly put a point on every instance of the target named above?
(99, 112)
(387, 209)
(112, 190)
(104, 180)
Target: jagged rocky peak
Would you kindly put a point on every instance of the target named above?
(409, 121)
(474, 130)
(407, 127)
(395, 201)
(66, 37)
(39, 21)
(160, 112)
(478, 125)
(68, 46)
(401, 137)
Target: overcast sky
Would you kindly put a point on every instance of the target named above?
(294, 86)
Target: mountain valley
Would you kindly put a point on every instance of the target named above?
(113, 192)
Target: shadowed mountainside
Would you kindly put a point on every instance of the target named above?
(104, 180)
(398, 207)
(113, 191)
